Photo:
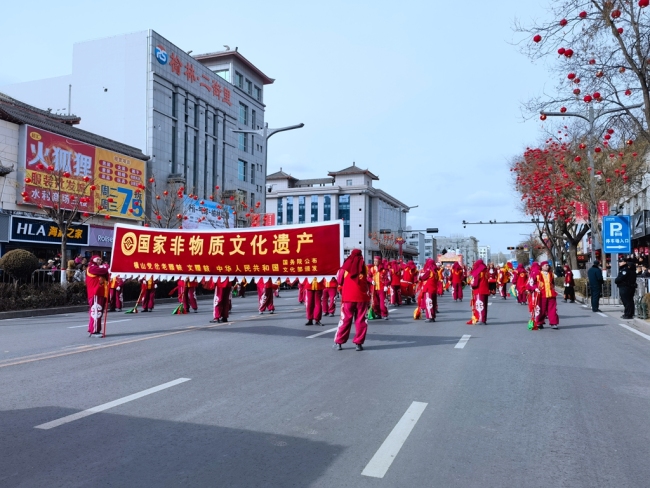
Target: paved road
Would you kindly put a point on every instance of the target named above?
(175, 401)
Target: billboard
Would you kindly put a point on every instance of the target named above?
(292, 251)
(64, 172)
(206, 214)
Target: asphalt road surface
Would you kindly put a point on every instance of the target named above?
(264, 401)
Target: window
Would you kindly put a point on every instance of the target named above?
(253, 119)
(241, 170)
(348, 182)
(279, 213)
(253, 173)
(243, 142)
(314, 208)
(289, 210)
(243, 114)
(223, 73)
(258, 94)
(327, 208)
(252, 200)
(239, 79)
(301, 210)
(249, 86)
(344, 213)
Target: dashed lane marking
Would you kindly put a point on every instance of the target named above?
(321, 333)
(385, 455)
(462, 342)
(106, 406)
(601, 314)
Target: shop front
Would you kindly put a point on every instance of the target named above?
(100, 242)
(640, 237)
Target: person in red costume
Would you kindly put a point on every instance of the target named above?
(480, 292)
(569, 285)
(116, 299)
(409, 275)
(221, 300)
(191, 295)
(547, 297)
(457, 281)
(428, 279)
(503, 278)
(314, 297)
(520, 281)
(380, 283)
(493, 275)
(329, 297)
(355, 300)
(97, 290)
(395, 284)
(301, 290)
(265, 292)
(533, 295)
(148, 294)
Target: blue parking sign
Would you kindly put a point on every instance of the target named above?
(617, 234)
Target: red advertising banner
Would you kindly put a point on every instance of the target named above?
(288, 251)
(582, 213)
(603, 208)
(269, 219)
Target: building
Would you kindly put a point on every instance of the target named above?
(370, 216)
(467, 247)
(484, 253)
(424, 243)
(30, 140)
(146, 92)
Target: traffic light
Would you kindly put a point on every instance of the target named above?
(511, 248)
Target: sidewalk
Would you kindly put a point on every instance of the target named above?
(615, 311)
(40, 312)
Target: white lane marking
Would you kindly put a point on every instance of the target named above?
(585, 306)
(109, 322)
(321, 333)
(631, 329)
(385, 455)
(601, 314)
(462, 342)
(106, 406)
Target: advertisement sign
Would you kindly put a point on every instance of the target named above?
(70, 174)
(24, 229)
(292, 251)
(206, 215)
(100, 236)
(639, 224)
(582, 212)
(603, 208)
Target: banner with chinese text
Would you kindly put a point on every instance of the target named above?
(60, 170)
(288, 251)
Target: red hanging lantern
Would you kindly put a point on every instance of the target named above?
(561, 51)
(616, 14)
(537, 38)
(644, 3)
(577, 159)
(568, 53)
(563, 22)
(563, 109)
(628, 92)
(542, 117)
(582, 14)
(571, 76)
(597, 149)
(576, 91)
(587, 98)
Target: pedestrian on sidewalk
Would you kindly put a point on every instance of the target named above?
(626, 282)
(355, 300)
(595, 276)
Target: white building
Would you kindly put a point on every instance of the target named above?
(348, 195)
(484, 253)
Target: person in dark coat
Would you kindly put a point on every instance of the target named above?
(595, 276)
(626, 282)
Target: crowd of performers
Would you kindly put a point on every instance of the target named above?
(365, 290)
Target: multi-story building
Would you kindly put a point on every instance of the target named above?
(146, 92)
(484, 253)
(31, 142)
(425, 244)
(368, 213)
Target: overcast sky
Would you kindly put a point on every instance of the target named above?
(427, 95)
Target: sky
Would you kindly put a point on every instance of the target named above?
(427, 95)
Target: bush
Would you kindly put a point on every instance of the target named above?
(29, 296)
(19, 264)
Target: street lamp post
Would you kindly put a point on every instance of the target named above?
(591, 118)
(266, 134)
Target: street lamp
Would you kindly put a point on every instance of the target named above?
(266, 134)
(591, 119)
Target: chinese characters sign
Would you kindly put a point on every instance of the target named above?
(206, 214)
(64, 172)
(310, 250)
(24, 229)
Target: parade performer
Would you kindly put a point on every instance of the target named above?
(301, 290)
(380, 281)
(493, 276)
(480, 292)
(503, 278)
(569, 285)
(395, 284)
(148, 294)
(116, 298)
(221, 302)
(533, 295)
(547, 297)
(446, 277)
(355, 300)
(265, 292)
(428, 279)
(409, 275)
(181, 289)
(276, 288)
(520, 282)
(314, 305)
(329, 297)
(242, 288)
(97, 291)
(457, 281)
(191, 295)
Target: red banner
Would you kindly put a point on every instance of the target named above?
(582, 213)
(288, 251)
(603, 208)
